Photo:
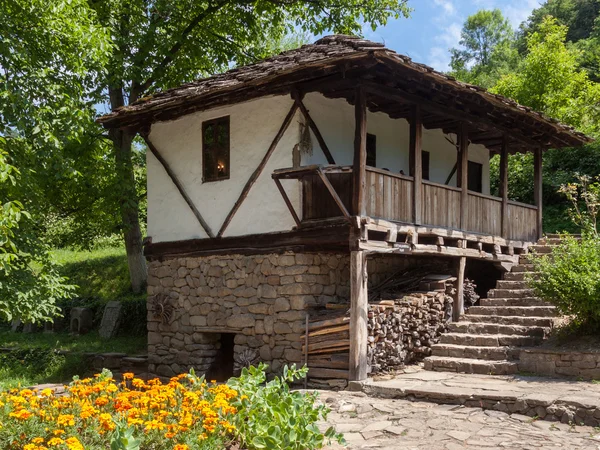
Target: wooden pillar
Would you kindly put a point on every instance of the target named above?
(537, 190)
(459, 299)
(416, 161)
(360, 153)
(504, 186)
(463, 174)
(358, 316)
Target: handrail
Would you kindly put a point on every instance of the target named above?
(486, 196)
(524, 205)
(391, 174)
(443, 186)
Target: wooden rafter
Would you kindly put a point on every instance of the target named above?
(259, 169)
(313, 126)
(287, 201)
(178, 185)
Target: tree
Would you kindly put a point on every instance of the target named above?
(161, 44)
(487, 48)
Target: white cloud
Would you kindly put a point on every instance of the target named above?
(518, 11)
(439, 58)
(446, 5)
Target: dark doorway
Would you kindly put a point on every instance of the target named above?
(222, 367)
(475, 177)
(484, 274)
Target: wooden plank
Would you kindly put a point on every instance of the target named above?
(537, 171)
(416, 161)
(314, 128)
(328, 323)
(328, 351)
(259, 169)
(314, 372)
(287, 201)
(504, 185)
(360, 153)
(387, 173)
(179, 186)
(333, 193)
(463, 138)
(459, 300)
(331, 330)
(328, 364)
(358, 316)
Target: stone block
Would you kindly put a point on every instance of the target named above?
(241, 321)
(259, 308)
(281, 304)
(111, 319)
(282, 328)
(266, 291)
(286, 260)
(82, 320)
(295, 289)
(269, 322)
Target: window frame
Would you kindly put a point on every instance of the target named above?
(371, 139)
(216, 148)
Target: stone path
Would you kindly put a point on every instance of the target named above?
(371, 423)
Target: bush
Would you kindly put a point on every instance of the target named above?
(570, 278)
(185, 414)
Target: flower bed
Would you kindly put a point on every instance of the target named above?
(186, 413)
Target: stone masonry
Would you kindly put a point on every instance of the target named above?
(262, 299)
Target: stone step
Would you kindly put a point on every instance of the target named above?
(522, 267)
(467, 365)
(540, 249)
(550, 241)
(510, 293)
(515, 276)
(497, 328)
(473, 352)
(527, 311)
(511, 284)
(489, 340)
(526, 301)
(510, 320)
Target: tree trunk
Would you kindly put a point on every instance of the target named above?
(122, 140)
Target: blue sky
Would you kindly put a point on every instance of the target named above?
(434, 27)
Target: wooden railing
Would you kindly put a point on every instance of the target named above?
(390, 196)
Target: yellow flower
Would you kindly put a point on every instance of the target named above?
(54, 442)
(128, 376)
(181, 447)
(65, 420)
(37, 440)
(47, 392)
(74, 444)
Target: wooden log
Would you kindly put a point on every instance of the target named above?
(358, 316)
(360, 153)
(332, 338)
(331, 330)
(459, 301)
(537, 172)
(504, 185)
(464, 175)
(416, 161)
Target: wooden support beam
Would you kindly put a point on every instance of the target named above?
(463, 138)
(416, 161)
(287, 201)
(358, 316)
(178, 185)
(537, 170)
(459, 300)
(260, 168)
(313, 126)
(360, 153)
(504, 186)
(334, 194)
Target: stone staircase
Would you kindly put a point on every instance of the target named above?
(487, 339)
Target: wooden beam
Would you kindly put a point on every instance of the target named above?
(313, 126)
(178, 185)
(537, 169)
(416, 161)
(459, 300)
(504, 186)
(360, 153)
(358, 316)
(463, 137)
(287, 201)
(259, 169)
(333, 193)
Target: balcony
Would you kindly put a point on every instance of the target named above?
(327, 193)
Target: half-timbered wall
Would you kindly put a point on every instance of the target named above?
(253, 125)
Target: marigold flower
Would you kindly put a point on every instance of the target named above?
(65, 419)
(74, 444)
(47, 392)
(128, 376)
(55, 441)
(181, 447)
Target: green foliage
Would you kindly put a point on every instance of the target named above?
(123, 439)
(273, 417)
(487, 49)
(570, 279)
(584, 197)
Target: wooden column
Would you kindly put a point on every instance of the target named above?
(416, 161)
(537, 190)
(459, 299)
(358, 316)
(504, 186)
(360, 153)
(463, 174)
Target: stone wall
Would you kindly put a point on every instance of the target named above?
(585, 365)
(262, 299)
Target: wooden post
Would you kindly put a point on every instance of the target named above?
(537, 170)
(360, 153)
(504, 186)
(416, 161)
(463, 181)
(459, 300)
(358, 316)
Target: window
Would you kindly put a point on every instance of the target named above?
(475, 175)
(371, 150)
(425, 164)
(215, 149)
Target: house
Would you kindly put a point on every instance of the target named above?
(293, 183)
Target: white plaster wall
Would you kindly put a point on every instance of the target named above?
(253, 126)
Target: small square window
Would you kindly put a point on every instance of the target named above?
(215, 149)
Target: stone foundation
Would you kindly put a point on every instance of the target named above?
(583, 365)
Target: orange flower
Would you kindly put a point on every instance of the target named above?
(128, 376)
